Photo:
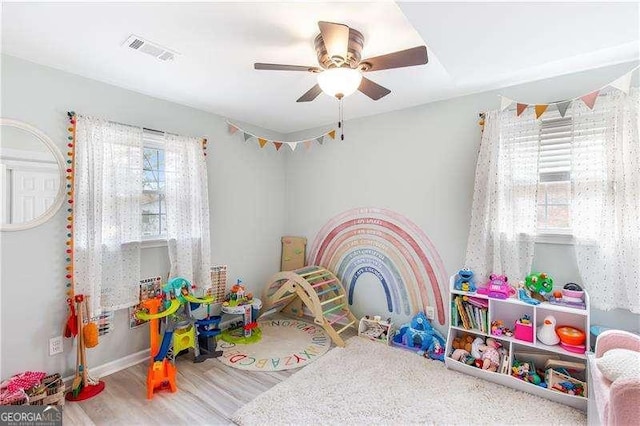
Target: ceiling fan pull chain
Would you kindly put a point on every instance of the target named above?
(342, 120)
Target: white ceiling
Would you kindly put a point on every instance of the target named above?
(472, 47)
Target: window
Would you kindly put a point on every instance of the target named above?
(554, 168)
(154, 217)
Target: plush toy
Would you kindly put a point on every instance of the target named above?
(476, 352)
(539, 284)
(490, 355)
(463, 356)
(465, 281)
(463, 342)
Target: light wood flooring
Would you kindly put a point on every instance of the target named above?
(208, 394)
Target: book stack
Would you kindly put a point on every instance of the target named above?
(470, 313)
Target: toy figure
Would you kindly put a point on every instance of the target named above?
(476, 352)
(524, 295)
(465, 281)
(490, 355)
(539, 284)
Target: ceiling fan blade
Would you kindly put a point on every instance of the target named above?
(311, 94)
(280, 67)
(373, 90)
(399, 59)
(336, 38)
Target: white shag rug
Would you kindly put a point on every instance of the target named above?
(370, 383)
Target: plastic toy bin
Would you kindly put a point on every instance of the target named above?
(523, 332)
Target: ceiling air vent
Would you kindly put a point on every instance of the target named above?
(138, 43)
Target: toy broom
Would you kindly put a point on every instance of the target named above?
(83, 387)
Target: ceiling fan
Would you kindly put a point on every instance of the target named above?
(339, 51)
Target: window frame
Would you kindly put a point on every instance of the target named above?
(554, 235)
(153, 140)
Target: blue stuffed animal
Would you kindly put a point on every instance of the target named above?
(465, 281)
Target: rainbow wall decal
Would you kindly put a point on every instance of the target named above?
(393, 250)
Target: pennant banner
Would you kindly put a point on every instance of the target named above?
(504, 103)
(622, 83)
(590, 99)
(540, 109)
(562, 107)
(232, 128)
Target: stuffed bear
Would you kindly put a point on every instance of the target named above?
(465, 281)
(476, 350)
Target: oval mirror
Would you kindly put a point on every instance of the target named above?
(32, 170)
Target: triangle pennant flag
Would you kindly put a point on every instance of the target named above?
(262, 142)
(292, 145)
(278, 145)
(590, 99)
(320, 140)
(307, 144)
(623, 83)
(247, 136)
(562, 107)
(540, 109)
(520, 108)
(232, 128)
(332, 134)
(504, 103)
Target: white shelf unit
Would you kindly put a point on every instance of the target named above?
(509, 310)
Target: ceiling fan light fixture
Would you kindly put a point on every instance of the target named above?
(339, 82)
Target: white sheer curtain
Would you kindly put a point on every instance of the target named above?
(606, 199)
(107, 221)
(187, 206)
(503, 215)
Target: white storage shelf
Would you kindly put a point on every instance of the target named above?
(508, 310)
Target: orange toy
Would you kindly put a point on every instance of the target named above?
(570, 335)
(161, 374)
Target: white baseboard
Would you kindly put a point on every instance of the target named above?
(115, 366)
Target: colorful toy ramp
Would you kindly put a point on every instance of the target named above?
(315, 288)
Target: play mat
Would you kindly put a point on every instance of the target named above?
(285, 344)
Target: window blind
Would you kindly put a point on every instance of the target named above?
(556, 135)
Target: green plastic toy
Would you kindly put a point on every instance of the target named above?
(540, 283)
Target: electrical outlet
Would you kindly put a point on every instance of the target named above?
(431, 313)
(55, 345)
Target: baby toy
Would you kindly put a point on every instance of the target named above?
(527, 372)
(476, 352)
(463, 342)
(571, 295)
(237, 296)
(571, 338)
(547, 331)
(497, 287)
(539, 284)
(524, 329)
(498, 329)
(465, 281)
(490, 355)
(524, 295)
(463, 356)
(420, 336)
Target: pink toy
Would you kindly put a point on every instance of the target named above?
(490, 355)
(497, 287)
(524, 329)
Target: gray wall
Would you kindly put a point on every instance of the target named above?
(247, 198)
(420, 162)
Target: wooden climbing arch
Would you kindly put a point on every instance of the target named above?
(315, 288)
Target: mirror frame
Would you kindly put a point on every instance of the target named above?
(60, 196)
